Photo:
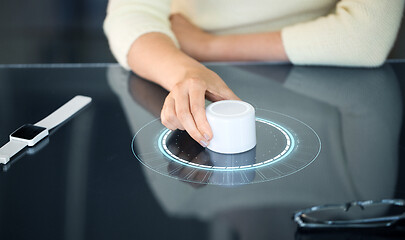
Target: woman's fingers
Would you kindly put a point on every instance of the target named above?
(231, 95)
(168, 115)
(225, 93)
(182, 106)
(197, 107)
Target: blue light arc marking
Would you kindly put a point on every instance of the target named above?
(287, 151)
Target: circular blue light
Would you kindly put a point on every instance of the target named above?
(287, 150)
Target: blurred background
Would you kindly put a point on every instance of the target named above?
(67, 31)
(53, 31)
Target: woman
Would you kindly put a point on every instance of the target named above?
(147, 38)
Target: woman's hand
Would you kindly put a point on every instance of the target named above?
(188, 81)
(184, 107)
(193, 41)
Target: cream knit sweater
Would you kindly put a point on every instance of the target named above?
(314, 32)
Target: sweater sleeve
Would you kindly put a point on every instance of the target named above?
(127, 20)
(357, 33)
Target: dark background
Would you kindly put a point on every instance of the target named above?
(53, 31)
(66, 31)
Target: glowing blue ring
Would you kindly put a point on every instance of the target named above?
(289, 148)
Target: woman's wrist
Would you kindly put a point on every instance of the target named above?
(267, 47)
(207, 47)
(213, 47)
(183, 66)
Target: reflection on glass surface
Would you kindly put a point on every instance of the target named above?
(357, 214)
(30, 151)
(356, 113)
(183, 146)
(232, 178)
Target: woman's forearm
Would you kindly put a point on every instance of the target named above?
(205, 46)
(247, 47)
(155, 57)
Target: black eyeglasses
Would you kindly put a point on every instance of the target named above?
(359, 214)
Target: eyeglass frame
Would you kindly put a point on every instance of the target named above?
(387, 221)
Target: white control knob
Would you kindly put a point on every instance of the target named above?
(233, 126)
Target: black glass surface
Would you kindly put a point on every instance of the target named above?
(284, 146)
(86, 183)
(27, 131)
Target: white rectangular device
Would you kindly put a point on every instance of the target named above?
(29, 134)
